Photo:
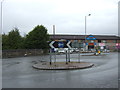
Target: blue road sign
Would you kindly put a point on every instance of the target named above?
(90, 38)
(95, 44)
(60, 44)
(86, 43)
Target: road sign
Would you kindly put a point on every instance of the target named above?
(101, 44)
(51, 44)
(86, 43)
(68, 44)
(90, 37)
(91, 44)
(60, 44)
(95, 43)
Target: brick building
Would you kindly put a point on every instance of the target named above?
(88, 42)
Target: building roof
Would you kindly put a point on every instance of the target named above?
(82, 37)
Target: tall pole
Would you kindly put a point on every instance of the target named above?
(2, 15)
(85, 33)
(54, 39)
(86, 29)
(54, 31)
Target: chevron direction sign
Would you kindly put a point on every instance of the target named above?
(60, 44)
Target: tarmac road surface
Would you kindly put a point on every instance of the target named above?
(19, 73)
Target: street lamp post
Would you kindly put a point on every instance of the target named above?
(2, 15)
(54, 40)
(86, 29)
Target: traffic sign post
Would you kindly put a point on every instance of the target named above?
(79, 55)
(66, 57)
(54, 56)
(60, 44)
(50, 57)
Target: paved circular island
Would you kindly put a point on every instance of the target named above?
(62, 65)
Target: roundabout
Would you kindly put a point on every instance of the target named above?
(63, 65)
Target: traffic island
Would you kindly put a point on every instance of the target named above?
(63, 65)
(94, 55)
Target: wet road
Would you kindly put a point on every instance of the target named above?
(18, 73)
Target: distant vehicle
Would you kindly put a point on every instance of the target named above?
(76, 50)
(71, 50)
(61, 50)
(107, 50)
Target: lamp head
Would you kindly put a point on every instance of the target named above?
(89, 14)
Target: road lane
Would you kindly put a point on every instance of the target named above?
(18, 73)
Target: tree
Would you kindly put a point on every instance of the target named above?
(37, 38)
(13, 40)
(5, 41)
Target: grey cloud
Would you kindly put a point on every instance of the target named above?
(26, 15)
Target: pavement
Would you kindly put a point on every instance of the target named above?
(62, 65)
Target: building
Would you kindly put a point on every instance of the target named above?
(102, 42)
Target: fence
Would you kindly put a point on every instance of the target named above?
(22, 52)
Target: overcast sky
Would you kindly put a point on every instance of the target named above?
(68, 16)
